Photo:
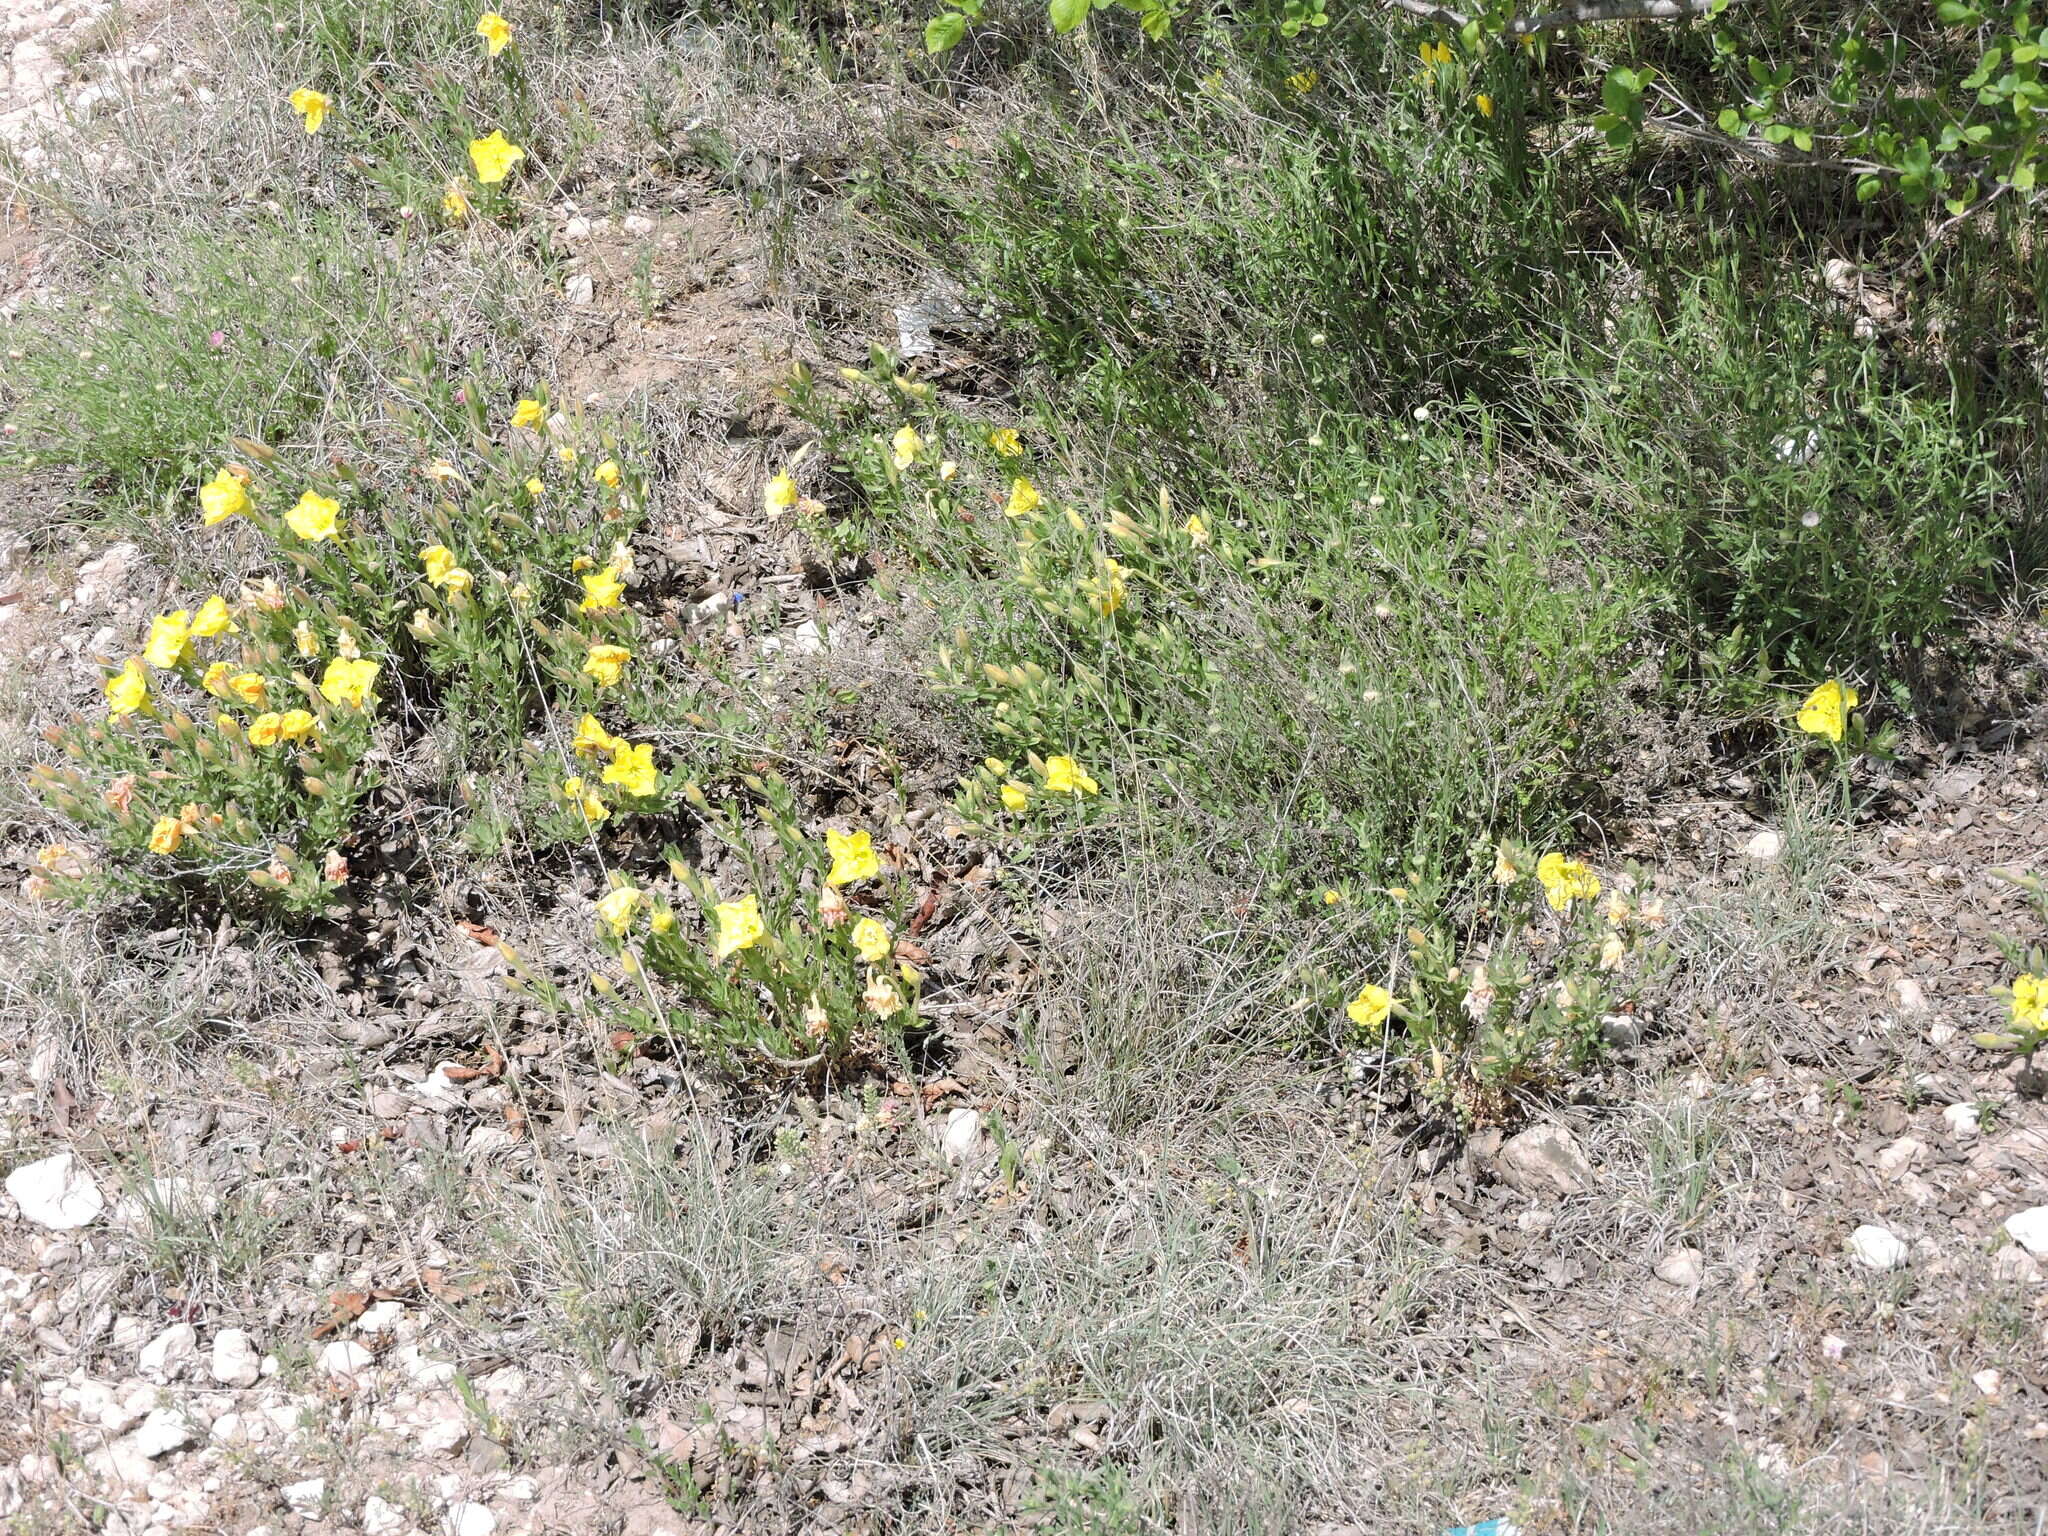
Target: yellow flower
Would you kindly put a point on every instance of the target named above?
(592, 738)
(566, 454)
(458, 582)
(1826, 710)
(1613, 952)
(265, 730)
(249, 687)
(607, 473)
(606, 663)
(439, 560)
(1484, 103)
(779, 494)
(312, 517)
(1064, 776)
(1006, 442)
(221, 498)
(1332, 898)
(1304, 82)
(948, 468)
(527, 414)
(2029, 1001)
(739, 926)
(1565, 881)
(870, 941)
(1016, 798)
(213, 618)
(1371, 1008)
(534, 488)
(1024, 498)
(601, 589)
(215, 681)
(617, 909)
(853, 857)
(128, 689)
(305, 639)
(632, 769)
(1505, 871)
(170, 639)
(593, 808)
(455, 202)
(1196, 530)
(296, 724)
(661, 920)
(310, 105)
(493, 156)
(882, 1000)
(495, 30)
(165, 836)
(1106, 588)
(906, 447)
(348, 681)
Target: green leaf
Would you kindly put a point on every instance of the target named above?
(1068, 14)
(944, 31)
(1730, 121)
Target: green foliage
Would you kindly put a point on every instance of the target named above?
(176, 347)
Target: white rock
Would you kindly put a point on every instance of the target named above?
(1898, 1158)
(382, 1518)
(1765, 846)
(2015, 1265)
(419, 1369)
(129, 1409)
(579, 289)
(637, 224)
(384, 1317)
(1545, 1160)
(235, 1360)
(1797, 447)
(168, 1354)
(577, 228)
(1961, 1120)
(1875, 1248)
(304, 1499)
(1833, 1347)
(232, 1429)
(1683, 1267)
(56, 1192)
(345, 1360)
(963, 1130)
(1911, 995)
(468, 1518)
(161, 1433)
(2029, 1229)
(1988, 1381)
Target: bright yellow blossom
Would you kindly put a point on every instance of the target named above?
(1826, 710)
(871, 941)
(494, 156)
(249, 687)
(853, 857)
(265, 729)
(601, 589)
(607, 474)
(311, 106)
(534, 488)
(1006, 442)
(2030, 1001)
(439, 560)
(312, 517)
(1196, 530)
(495, 30)
(606, 663)
(906, 447)
(617, 909)
(593, 808)
(1024, 498)
(527, 414)
(1016, 798)
(1106, 589)
(739, 926)
(170, 639)
(1566, 880)
(348, 681)
(779, 495)
(592, 738)
(165, 836)
(128, 689)
(1371, 1008)
(632, 769)
(215, 681)
(213, 618)
(1064, 776)
(296, 724)
(221, 498)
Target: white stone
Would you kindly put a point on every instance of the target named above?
(1875, 1248)
(304, 1499)
(161, 1433)
(577, 228)
(168, 1354)
(2015, 1265)
(1911, 995)
(1765, 846)
(637, 224)
(56, 1192)
(1545, 1160)
(345, 1360)
(419, 1369)
(579, 289)
(381, 1517)
(1961, 1120)
(1683, 1267)
(469, 1518)
(1833, 1347)
(1988, 1381)
(383, 1317)
(128, 1410)
(1901, 1157)
(963, 1130)
(2029, 1229)
(235, 1360)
